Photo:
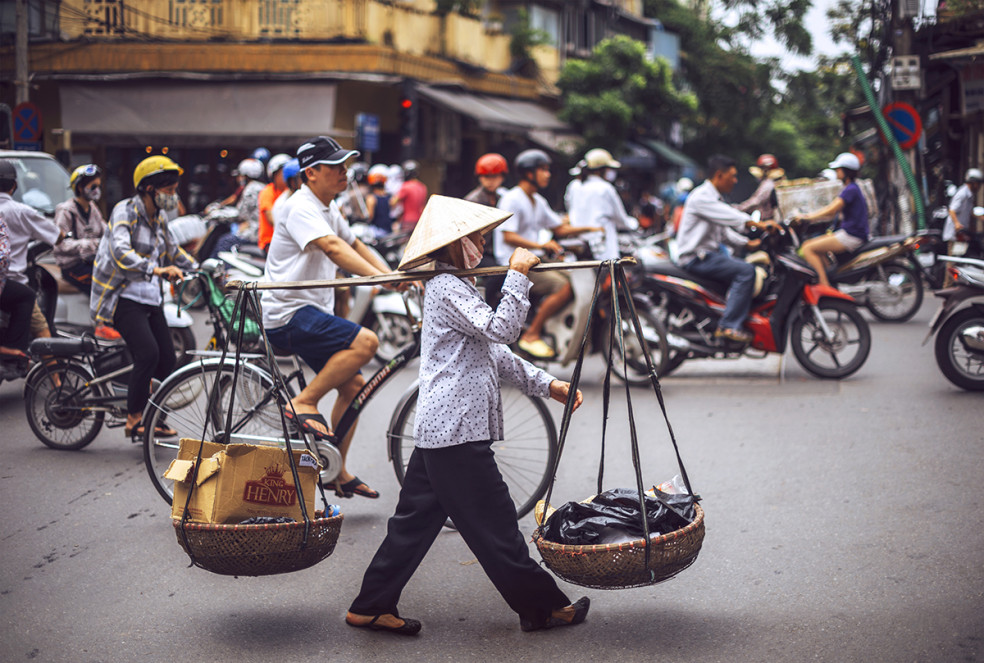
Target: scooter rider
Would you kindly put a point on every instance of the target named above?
(708, 224)
(531, 214)
(960, 212)
(24, 223)
(134, 256)
(597, 203)
(268, 196)
(764, 200)
(852, 231)
(490, 169)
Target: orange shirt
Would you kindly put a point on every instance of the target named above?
(268, 196)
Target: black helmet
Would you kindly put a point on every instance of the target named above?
(7, 170)
(359, 172)
(528, 161)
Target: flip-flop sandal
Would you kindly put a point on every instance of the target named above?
(354, 487)
(409, 627)
(301, 421)
(138, 431)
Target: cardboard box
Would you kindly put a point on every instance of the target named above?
(240, 481)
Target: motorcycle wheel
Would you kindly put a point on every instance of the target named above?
(961, 366)
(634, 370)
(58, 415)
(183, 340)
(835, 357)
(394, 332)
(895, 292)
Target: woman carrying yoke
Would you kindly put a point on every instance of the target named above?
(452, 470)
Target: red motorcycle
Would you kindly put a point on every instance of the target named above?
(828, 334)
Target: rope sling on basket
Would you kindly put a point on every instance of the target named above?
(640, 562)
(261, 549)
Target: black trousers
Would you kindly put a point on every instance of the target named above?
(17, 300)
(462, 482)
(145, 330)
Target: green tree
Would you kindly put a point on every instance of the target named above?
(620, 93)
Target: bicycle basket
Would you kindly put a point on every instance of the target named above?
(226, 307)
(623, 565)
(258, 550)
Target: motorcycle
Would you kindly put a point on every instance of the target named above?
(564, 331)
(883, 275)
(67, 309)
(959, 346)
(829, 336)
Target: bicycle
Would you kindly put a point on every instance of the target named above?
(183, 402)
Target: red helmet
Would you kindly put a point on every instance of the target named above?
(767, 161)
(491, 164)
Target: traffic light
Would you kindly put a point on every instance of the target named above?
(409, 114)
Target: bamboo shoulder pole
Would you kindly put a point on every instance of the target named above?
(403, 277)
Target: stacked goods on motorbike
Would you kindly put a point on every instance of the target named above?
(802, 195)
(235, 482)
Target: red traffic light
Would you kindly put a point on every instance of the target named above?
(406, 103)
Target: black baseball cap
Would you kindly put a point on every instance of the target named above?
(7, 170)
(323, 150)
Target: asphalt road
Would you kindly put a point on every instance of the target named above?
(843, 524)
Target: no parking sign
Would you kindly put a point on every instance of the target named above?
(904, 122)
(27, 126)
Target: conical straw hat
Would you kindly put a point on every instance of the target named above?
(446, 220)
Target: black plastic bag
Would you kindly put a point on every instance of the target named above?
(613, 517)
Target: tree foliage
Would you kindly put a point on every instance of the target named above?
(620, 93)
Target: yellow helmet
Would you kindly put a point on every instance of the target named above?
(87, 170)
(153, 165)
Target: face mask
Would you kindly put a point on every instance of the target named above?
(472, 255)
(166, 201)
(93, 194)
(610, 175)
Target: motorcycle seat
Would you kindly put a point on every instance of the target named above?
(62, 347)
(668, 268)
(874, 243)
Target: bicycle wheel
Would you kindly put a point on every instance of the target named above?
(182, 403)
(58, 414)
(525, 456)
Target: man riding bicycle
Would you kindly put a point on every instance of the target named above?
(311, 241)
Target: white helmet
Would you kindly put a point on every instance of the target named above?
(846, 160)
(973, 175)
(684, 184)
(277, 161)
(251, 168)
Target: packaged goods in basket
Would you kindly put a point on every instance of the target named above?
(241, 481)
(613, 517)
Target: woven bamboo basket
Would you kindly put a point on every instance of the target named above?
(623, 565)
(258, 550)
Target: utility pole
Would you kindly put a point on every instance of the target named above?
(20, 54)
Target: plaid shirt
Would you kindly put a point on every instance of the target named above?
(128, 253)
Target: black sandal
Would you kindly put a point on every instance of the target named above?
(354, 487)
(409, 627)
(580, 612)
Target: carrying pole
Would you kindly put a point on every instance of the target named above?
(409, 277)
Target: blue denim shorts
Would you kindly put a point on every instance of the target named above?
(314, 336)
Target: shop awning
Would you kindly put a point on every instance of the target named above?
(535, 122)
(960, 54)
(667, 155)
(199, 113)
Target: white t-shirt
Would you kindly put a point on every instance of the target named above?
(294, 256)
(528, 219)
(597, 204)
